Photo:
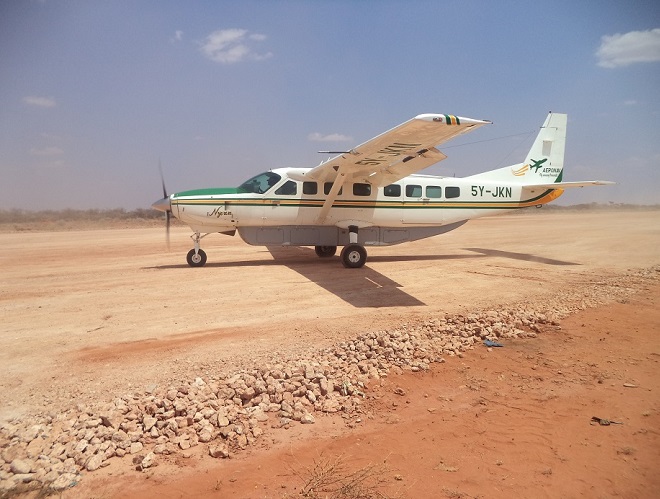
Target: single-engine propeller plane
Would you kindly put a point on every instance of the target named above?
(370, 195)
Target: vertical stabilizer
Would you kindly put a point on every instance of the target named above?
(544, 163)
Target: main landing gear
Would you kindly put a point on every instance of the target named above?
(353, 256)
(325, 251)
(196, 257)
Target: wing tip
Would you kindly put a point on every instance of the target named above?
(451, 119)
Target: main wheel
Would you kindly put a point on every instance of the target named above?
(325, 251)
(196, 260)
(353, 256)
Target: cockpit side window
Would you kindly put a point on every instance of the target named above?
(289, 188)
(310, 188)
(260, 184)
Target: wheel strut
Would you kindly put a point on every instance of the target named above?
(353, 255)
(196, 257)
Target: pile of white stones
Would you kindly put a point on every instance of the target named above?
(229, 412)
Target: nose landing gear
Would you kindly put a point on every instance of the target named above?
(196, 257)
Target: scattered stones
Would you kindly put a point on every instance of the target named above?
(94, 462)
(20, 466)
(229, 411)
(148, 461)
(307, 419)
(220, 450)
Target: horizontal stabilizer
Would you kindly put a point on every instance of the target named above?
(566, 185)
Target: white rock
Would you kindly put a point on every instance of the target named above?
(307, 419)
(205, 436)
(20, 466)
(64, 481)
(136, 447)
(219, 451)
(94, 462)
(148, 461)
(148, 422)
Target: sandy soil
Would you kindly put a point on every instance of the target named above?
(94, 314)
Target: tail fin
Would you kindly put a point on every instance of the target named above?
(544, 163)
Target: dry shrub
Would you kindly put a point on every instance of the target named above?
(331, 478)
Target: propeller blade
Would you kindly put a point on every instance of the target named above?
(168, 215)
(164, 205)
(162, 179)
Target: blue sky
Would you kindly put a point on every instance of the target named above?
(94, 93)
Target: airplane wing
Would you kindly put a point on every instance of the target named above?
(397, 153)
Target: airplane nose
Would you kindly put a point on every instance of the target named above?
(163, 205)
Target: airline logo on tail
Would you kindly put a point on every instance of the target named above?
(538, 164)
(520, 172)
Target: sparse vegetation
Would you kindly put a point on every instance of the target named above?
(330, 478)
(62, 220)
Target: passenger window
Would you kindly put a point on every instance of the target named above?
(392, 190)
(310, 188)
(452, 192)
(413, 191)
(433, 191)
(327, 186)
(290, 188)
(361, 189)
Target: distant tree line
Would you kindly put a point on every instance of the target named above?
(26, 216)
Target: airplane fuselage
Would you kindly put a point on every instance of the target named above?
(392, 213)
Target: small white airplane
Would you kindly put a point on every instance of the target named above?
(368, 196)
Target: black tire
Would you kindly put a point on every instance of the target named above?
(198, 260)
(353, 256)
(325, 251)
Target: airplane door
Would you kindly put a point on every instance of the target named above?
(412, 203)
(282, 206)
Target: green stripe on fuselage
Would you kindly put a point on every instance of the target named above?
(216, 191)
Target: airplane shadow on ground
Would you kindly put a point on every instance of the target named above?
(362, 287)
(520, 256)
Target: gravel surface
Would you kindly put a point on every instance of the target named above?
(229, 410)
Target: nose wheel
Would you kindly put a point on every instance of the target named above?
(197, 256)
(196, 259)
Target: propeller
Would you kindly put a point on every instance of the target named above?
(164, 205)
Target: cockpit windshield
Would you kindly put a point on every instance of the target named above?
(260, 184)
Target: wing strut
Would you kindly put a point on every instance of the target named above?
(334, 192)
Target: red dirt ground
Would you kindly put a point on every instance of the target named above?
(510, 422)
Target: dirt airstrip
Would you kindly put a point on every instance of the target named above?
(90, 316)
